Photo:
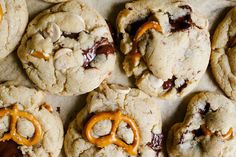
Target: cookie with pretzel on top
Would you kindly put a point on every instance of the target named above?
(117, 121)
(28, 125)
(166, 46)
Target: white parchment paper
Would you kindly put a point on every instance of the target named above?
(172, 111)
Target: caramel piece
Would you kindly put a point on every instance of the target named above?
(116, 117)
(40, 55)
(15, 114)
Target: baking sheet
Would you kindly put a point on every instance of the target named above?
(172, 111)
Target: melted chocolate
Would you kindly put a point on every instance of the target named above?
(180, 23)
(71, 35)
(157, 142)
(9, 149)
(170, 83)
(179, 89)
(183, 22)
(206, 109)
(198, 132)
(133, 27)
(100, 47)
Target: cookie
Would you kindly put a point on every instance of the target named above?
(13, 21)
(166, 46)
(223, 59)
(28, 126)
(208, 128)
(55, 1)
(136, 125)
(68, 49)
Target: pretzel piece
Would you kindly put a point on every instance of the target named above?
(1, 14)
(116, 117)
(145, 27)
(40, 55)
(15, 114)
(228, 135)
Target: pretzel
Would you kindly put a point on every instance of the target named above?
(208, 132)
(1, 14)
(15, 114)
(39, 54)
(228, 135)
(145, 27)
(116, 118)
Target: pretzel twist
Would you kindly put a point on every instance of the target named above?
(15, 114)
(116, 118)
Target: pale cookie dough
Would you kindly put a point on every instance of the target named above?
(133, 103)
(208, 129)
(55, 1)
(170, 63)
(223, 58)
(13, 21)
(31, 101)
(68, 49)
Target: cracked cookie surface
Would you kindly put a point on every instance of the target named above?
(208, 129)
(166, 46)
(13, 21)
(31, 101)
(223, 57)
(133, 103)
(68, 49)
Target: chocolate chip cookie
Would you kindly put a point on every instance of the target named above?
(13, 21)
(166, 46)
(223, 58)
(28, 126)
(208, 128)
(117, 121)
(68, 49)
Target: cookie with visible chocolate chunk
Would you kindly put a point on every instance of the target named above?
(34, 129)
(166, 46)
(208, 128)
(223, 57)
(13, 21)
(132, 103)
(68, 49)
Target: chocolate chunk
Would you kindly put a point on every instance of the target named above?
(9, 149)
(156, 143)
(206, 109)
(179, 89)
(181, 23)
(71, 35)
(133, 27)
(170, 83)
(58, 109)
(198, 132)
(100, 47)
